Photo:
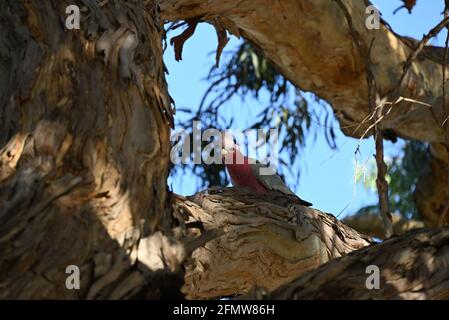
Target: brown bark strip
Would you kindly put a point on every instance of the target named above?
(408, 4)
(223, 39)
(178, 41)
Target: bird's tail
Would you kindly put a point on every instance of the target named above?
(286, 190)
(304, 202)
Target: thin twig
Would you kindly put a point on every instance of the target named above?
(420, 46)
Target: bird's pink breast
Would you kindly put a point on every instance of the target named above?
(243, 175)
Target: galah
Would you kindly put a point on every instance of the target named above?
(245, 172)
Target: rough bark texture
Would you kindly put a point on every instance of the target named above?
(432, 190)
(84, 150)
(413, 266)
(268, 240)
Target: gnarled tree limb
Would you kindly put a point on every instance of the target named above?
(268, 241)
(295, 252)
(413, 266)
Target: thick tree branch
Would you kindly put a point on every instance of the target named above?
(268, 240)
(371, 224)
(412, 266)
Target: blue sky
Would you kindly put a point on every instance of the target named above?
(327, 176)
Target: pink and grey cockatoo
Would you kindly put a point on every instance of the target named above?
(245, 171)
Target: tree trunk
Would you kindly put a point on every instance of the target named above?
(84, 149)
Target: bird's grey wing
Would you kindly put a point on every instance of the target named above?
(272, 181)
